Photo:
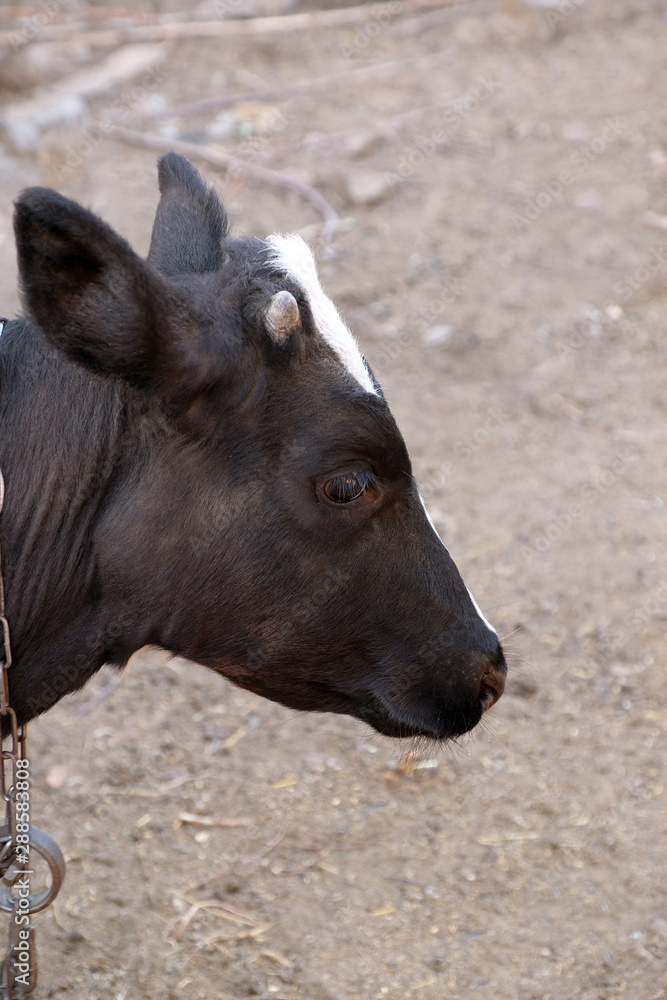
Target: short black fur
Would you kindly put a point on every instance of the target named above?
(166, 465)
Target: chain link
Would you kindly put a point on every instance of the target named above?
(11, 868)
(18, 967)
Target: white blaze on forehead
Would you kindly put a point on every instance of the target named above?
(474, 602)
(292, 255)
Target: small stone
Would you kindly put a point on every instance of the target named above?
(223, 125)
(576, 132)
(361, 142)
(367, 187)
(657, 158)
(437, 334)
(589, 199)
(57, 776)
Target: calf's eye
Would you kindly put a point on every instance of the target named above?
(344, 489)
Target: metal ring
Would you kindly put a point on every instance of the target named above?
(47, 848)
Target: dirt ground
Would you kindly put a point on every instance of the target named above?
(501, 258)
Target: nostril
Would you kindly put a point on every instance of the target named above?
(491, 688)
(487, 696)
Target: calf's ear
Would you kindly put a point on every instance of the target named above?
(190, 223)
(93, 297)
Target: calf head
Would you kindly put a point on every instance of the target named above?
(262, 517)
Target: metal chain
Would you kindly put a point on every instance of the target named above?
(13, 863)
(18, 838)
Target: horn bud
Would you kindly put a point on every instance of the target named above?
(281, 316)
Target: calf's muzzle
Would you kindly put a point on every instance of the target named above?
(492, 680)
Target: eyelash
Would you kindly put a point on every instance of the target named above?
(348, 488)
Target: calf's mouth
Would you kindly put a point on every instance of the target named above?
(431, 710)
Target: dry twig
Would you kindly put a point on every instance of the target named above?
(213, 904)
(91, 14)
(233, 28)
(273, 842)
(154, 793)
(240, 936)
(328, 82)
(232, 164)
(105, 691)
(192, 819)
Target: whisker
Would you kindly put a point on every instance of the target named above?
(495, 607)
(521, 659)
(504, 638)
